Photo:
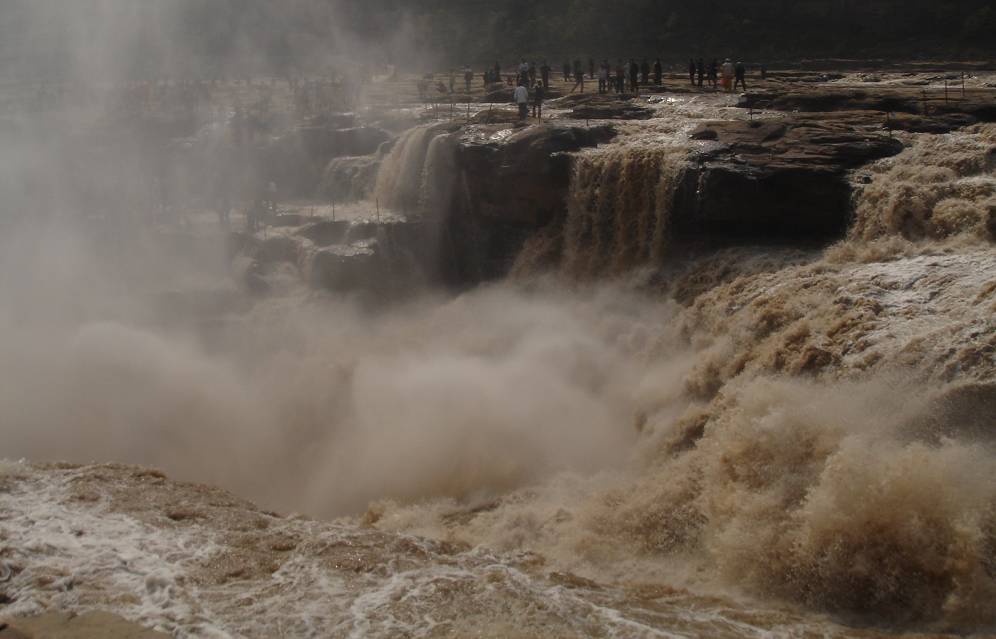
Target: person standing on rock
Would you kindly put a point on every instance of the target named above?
(468, 77)
(691, 71)
(634, 76)
(271, 200)
(741, 76)
(545, 75)
(578, 76)
(658, 72)
(729, 71)
(254, 216)
(700, 71)
(538, 94)
(522, 100)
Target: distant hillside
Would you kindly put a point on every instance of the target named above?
(756, 29)
(190, 38)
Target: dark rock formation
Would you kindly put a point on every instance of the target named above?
(364, 257)
(605, 107)
(350, 178)
(505, 193)
(323, 144)
(298, 161)
(776, 178)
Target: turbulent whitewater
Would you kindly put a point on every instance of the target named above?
(749, 441)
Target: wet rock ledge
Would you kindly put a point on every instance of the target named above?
(776, 178)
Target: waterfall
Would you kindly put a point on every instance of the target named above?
(401, 178)
(619, 209)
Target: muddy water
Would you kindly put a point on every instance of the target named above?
(195, 562)
(802, 448)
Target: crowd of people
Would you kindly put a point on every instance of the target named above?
(532, 82)
(732, 75)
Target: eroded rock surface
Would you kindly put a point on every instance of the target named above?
(785, 177)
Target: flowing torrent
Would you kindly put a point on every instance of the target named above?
(788, 443)
(618, 209)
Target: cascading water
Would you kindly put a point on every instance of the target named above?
(942, 186)
(401, 178)
(618, 209)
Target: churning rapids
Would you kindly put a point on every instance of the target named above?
(755, 440)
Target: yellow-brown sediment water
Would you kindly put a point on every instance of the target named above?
(801, 445)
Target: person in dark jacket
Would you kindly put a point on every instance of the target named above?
(578, 76)
(567, 71)
(591, 68)
(714, 73)
(691, 71)
(658, 72)
(538, 94)
(644, 72)
(545, 74)
(634, 76)
(700, 71)
(740, 73)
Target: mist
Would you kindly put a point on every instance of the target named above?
(321, 406)
(603, 379)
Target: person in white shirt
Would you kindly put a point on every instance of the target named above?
(522, 99)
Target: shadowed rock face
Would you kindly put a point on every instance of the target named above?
(297, 160)
(525, 178)
(785, 178)
(506, 192)
(348, 179)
